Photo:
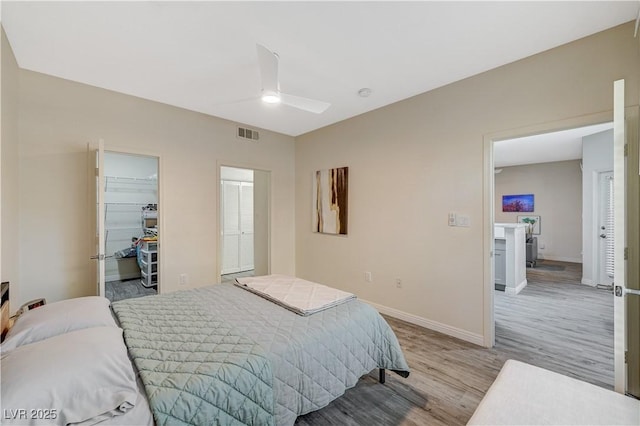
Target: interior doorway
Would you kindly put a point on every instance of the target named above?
(555, 314)
(604, 209)
(130, 225)
(244, 222)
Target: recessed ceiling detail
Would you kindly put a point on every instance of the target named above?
(365, 92)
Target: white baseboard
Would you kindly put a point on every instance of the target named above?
(587, 281)
(517, 289)
(560, 258)
(431, 325)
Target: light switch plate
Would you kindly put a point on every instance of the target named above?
(452, 219)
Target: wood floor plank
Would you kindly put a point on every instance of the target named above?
(555, 323)
(559, 324)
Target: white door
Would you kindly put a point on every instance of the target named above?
(96, 170)
(237, 226)
(619, 223)
(605, 229)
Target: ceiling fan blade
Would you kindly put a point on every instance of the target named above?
(268, 62)
(235, 101)
(305, 104)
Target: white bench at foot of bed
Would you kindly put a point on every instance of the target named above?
(526, 395)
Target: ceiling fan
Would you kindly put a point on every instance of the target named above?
(268, 62)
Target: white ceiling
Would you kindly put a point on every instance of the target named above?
(202, 55)
(544, 148)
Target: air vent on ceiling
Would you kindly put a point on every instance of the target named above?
(245, 133)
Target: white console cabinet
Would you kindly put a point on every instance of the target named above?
(510, 257)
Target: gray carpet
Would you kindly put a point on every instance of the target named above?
(120, 290)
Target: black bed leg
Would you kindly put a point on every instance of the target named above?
(382, 375)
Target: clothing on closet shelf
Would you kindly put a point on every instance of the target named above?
(125, 253)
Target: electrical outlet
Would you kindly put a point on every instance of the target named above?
(398, 283)
(367, 277)
(184, 279)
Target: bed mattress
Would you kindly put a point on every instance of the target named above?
(269, 364)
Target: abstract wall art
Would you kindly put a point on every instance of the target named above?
(330, 201)
(517, 203)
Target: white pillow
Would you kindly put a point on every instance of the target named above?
(58, 318)
(84, 376)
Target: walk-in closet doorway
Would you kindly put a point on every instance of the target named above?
(244, 222)
(130, 225)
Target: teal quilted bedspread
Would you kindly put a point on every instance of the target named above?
(222, 355)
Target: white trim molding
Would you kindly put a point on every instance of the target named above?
(477, 339)
(542, 256)
(488, 201)
(517, 289)
(587, 281)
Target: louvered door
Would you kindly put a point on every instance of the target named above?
(606, 229)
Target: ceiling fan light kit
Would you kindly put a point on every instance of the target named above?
(268, 62)
(271, 98)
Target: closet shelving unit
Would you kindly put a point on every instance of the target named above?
(124, 199)
(149, 249)
(149, 263)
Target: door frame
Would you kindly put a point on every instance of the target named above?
(249, 166)
(488, 213)
(633, 243)
(161, 227)
(241, 184)
(632, 114)
(95, 207)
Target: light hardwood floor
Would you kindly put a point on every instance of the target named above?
(559, 324)
(564, 327)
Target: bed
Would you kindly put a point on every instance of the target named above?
(213, 355)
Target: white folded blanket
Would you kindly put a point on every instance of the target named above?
(298, 295)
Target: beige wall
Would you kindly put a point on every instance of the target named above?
(410, 164)
(9, 270)
(59, 117)
(414, 161)
(557, 188)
